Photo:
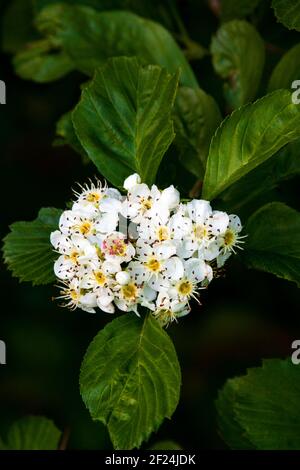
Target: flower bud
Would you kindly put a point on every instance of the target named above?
(122, 277)
(132, 181)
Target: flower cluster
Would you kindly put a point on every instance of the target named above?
(146, 248)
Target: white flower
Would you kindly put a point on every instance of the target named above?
(143, 202)
(72, 294)
(145, 249)
(230, 240)
(156, 264)
(116, 248)
(132, 181)
(169, 309)
(176, 228)
(77, 251)
(129, 295)
(91, 197)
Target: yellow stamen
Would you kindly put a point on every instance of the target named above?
(100, 277)
(163, 234)
(130, 291)
(153, 265)
(185, 288)
(200, 232)
(93, 197)
(85, 228)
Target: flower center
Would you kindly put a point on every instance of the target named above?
(153, 265)
(85, 227)
(165, 316)
(129, 291)
(146, 203)
(73, 256)
(115, 247)
(200, 232)
(93, 197)
(229, 238)
(100, 277)
(185, 287)
(163, 234)
(74, 295)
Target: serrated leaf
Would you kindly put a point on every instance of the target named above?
(41, 61)
(89, 38)
(287, 70)
(27, 249)
(248, 137)
(231, 9)
(273, 243)
(284, 165)
(197, 116)
(130, 379)
(123, 119)
(265, 405)
(33, 433)
(288, 13)
(238, 55)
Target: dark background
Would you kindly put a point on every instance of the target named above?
(245, 316)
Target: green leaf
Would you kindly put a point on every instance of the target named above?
(196, 118)
(288, 13)
(27, 249)
(130, 379)
(247, 138)
(123, 119)
(41, 61)
(33, 433)
(17, 25)
(264, 404)
(231, 9)
(238, 55)
(273, 243)
(287, 70)
(89, 38)
(284, 165)
(166, 445)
